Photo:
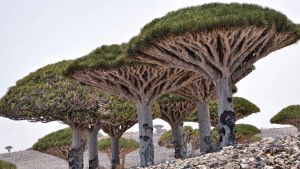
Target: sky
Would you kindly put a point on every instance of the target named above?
(34, 33)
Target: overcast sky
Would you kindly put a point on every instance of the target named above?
(34, 33)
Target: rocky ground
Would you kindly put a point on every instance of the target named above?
(270, 153)
(30, 159)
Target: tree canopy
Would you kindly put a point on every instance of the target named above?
(105, 144)
(289, 112)
(56, 143)
(289, 115)
(245, 133)
(104, 57)
(241, 106)
(46, 95)
(208, 17)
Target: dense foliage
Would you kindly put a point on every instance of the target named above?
(169, 98)
(58, 138)
(166, 139)
(105, 144)
(7, 165)
(46, 95)
(208, 17)
(241, 106)
(245, 133)
(290, 112)
(106, 56)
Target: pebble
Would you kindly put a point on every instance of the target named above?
(270, 153)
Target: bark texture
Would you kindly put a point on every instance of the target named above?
(294, 122)
(115, 153)
(174, 113)
(92, 147)
(179, 142)
(217, 51)
(200, 91)
(115, 128)
(136, 82)
(75, 157)
(146, 134)
(141, 83)
(206, 140)
(226, 126)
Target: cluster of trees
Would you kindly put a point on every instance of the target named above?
(58, 143)
(196, 53)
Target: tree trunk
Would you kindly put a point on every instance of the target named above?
(146, 134)
(75, 157)
(178, 141)
(115, 153)
(226, 125)
(92, 147)
(206, 140)
(123, 157)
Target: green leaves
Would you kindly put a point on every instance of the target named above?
(241, 106)
(208, 17)
(59, 138)
(105, 144)
(290, 112)
(7, 165)
(106, 56)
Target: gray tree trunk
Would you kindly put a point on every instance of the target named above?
(92, 147)
(115, 153)
(146, 134)
(206, 140)
(226, 126)
(178, 141)
(75, 157)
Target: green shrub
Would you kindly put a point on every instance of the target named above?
(7, 165)
(241, 106)
(105, 144)
(59, 138)
(245, 133)
(290, 112)
(166, 139)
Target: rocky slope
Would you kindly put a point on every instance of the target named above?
(276, 153)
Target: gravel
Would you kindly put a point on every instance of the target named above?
(270, 153)
(30, 159)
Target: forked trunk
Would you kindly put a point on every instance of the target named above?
(115, 152)
(226, 125)
(92, 147)
(75, 157)
(146, 134)
(178, 141)
(206, 140)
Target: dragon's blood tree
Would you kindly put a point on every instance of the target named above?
(107, 68)
(289, 115)
(126, 146)
(242, 107)
(122, 117)
(56, 143)
(174, 109)
(219, 40)
(46, 95)
(200, 92)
